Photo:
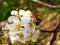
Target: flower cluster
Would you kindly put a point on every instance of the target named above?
(21, 27)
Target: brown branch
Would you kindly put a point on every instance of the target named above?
(48, 31)
(47, 5)
(54, 37)
(55, 34)
(55, 31)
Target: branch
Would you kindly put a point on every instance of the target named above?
(47, 5)
(55, 31)
(55, 34)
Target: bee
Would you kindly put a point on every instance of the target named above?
(37, 18)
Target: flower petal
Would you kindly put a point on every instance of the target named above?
(14, 12)
(13, 19)
(28, 13)
(22, 12)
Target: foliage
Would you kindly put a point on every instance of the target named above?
(7, 6)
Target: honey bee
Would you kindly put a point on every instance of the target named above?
(37, 18)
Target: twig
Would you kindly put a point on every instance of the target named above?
(47, 5)
(48, 31)
(55, 34)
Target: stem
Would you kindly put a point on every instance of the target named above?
(47, 5)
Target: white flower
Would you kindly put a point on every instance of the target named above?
(35, 35)
(11, 26)
(24, 36)
(13, 38)
(13, 19)
(23, 13)
(21, 37)
(28, 13)
(14, 12)
(19, 27)
(25, 20)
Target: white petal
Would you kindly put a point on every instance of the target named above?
(13, 39)
(22, 12)
(14, 12)
(13, 36)
(11, 26)
(12, 33)
(28, 13)
(10, 19)
(16, 20)
(13, 19)
(37, 32)
(25, 20)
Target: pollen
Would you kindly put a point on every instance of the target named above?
(18, 26)
(18, 16)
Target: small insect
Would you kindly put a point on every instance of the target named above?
(37, 18)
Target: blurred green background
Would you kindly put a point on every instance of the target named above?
(6, 6)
